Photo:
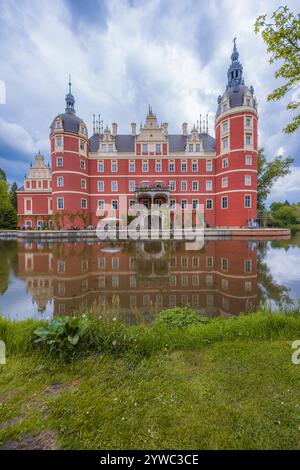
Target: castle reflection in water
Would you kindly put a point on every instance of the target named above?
(144, 277)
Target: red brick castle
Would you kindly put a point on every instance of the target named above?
(149, 165)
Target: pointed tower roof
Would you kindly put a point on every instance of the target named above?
(70, 101)
(235, 70)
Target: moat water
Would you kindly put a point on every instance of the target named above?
(138, 279)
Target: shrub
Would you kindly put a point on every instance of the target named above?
(61, 335)
(8, 218)
(178, 317)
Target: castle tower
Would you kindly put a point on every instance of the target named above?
(236, 150)
(69, 156)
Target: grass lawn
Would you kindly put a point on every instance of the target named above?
(218, 386)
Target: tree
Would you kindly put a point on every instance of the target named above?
(2, 175)
(268, 174)
(8, 214)
(282, 36)
(13, 195)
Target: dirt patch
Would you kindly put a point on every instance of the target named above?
(56, 388)
(11, 422)
(46, 440)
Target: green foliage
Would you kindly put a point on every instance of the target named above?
(283, 214)
(8, 218)
(61, 335)
(282, 37)
(268, 173)
(2, 175)
(180, 317)
(13, 195)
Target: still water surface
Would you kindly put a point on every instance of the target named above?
(225, 277)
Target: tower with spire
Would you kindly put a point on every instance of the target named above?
(236, 149)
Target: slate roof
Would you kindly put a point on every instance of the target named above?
(177, 143)
(70, 122)
(236, 97)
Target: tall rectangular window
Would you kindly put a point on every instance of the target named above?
(83, 203)
(60, 203)
(114, 186)
(131, 167)
(224, 202)
(158, 166)
(83, 184)
(114, 205)
(82, 145)
(248, 202)
(58, 141)
(114, 167)
(195, 185)
(131, 185)
(191, 147)
(225, 126)
(225, 182)
(59, 162)
(100, 186)
(172, 185)
(225, 143)
(209, 204)
(194, 166)
(82, 164)
(101, 166)
(101, 204)
(145, 148)
(248, 160)
(248, 139)
(60, 181)
(183, 185)
(247, 180)
(171, 166)
(183, 166)
(208, 185)
(225, 163)
(198, 148)
(248, 121)
(145, 166)
(158, 148)
(209, 166)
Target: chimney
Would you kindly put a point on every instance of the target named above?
(114, 129)
(133, 128)
(184, 128)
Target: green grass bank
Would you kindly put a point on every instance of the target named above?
(178, 383)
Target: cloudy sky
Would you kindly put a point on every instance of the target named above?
(124, 54)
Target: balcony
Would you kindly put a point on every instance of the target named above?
(152, 193)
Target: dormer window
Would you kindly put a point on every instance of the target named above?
(191, 147)
(103, 148)
(225, 107)
(145, 148)
(58, 124)
(110, 148)
(248, 101)
(82, 129)
(158, 148)
(198, 148)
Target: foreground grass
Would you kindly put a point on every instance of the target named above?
(228, 384)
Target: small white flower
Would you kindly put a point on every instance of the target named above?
(114, 342)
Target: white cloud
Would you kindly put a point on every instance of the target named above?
(17, 137)
(287, 187)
